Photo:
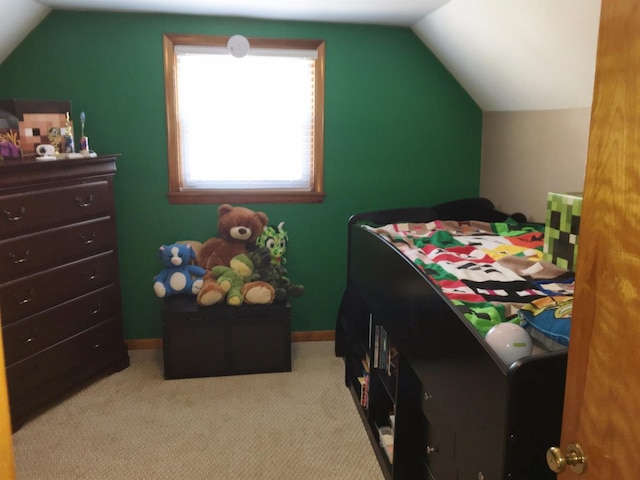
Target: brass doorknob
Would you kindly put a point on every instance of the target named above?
(574, 458)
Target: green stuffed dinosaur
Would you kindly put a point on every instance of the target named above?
(268, 259)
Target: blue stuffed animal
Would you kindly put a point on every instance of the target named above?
(179, 275)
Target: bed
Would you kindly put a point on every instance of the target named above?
(424, 286)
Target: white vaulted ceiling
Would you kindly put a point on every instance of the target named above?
(508, 54)
(518, 54)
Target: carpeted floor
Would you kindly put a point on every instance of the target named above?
(300, 425)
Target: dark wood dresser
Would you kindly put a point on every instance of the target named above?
(59, 283)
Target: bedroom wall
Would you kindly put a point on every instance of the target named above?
(527, 154)
(399, 130)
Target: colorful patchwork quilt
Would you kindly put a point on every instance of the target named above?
(491, 272)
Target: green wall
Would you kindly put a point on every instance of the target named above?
(399, 131)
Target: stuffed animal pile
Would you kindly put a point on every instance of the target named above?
(243, 264)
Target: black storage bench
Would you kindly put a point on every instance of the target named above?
(224, 340)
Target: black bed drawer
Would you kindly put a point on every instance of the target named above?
(439, 455)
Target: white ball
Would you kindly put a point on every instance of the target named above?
(510, 341)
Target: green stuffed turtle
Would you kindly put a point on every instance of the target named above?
(232, 278)
(234, 282)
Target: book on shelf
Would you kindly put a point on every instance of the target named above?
(365, 363)
(385, 354)
(376, 346)
(384, 349)
(364, 390)
(392, 364)
(366, 396)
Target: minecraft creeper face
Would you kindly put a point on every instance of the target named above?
(561, 229)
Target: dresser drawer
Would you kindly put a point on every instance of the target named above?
(38, 292)
(39, 251)
(38, 332)
(27, 212)
(76, 354)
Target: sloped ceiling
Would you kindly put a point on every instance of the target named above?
(16, 21)
(518, 54)
(508, 54)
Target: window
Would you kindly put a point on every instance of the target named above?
(244, 130)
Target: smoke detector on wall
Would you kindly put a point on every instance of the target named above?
(238, 46)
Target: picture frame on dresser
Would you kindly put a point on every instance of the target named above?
(37, 122)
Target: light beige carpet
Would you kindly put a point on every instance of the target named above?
(136, 425)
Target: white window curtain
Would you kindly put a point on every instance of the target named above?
(246, 122)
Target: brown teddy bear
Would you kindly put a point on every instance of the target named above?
(238, 229)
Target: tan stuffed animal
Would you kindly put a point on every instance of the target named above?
(238, 229)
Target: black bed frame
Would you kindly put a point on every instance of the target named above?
(460, 413)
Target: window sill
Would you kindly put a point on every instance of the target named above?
(215, 197)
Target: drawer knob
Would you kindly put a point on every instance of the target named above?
(88, 239)
(13, 217)
(24, 300)
(98, 341)
(427, 396)
(431, 450)
(16, 260)
(97, 309)
(91, 275)
(85, 202)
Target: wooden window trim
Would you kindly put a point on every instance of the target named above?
(180, 195)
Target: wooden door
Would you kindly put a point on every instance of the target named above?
(602, 402)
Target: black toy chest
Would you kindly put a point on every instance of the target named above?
(224, 340)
